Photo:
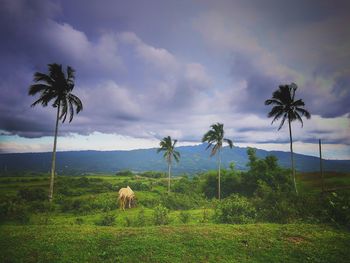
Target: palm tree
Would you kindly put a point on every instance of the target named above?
(285, 106)
(215, 137)
(168, 146)
(56, 86)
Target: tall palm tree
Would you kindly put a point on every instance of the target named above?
(56, 86)
(168, 146)
(215, 137)
(285, 106)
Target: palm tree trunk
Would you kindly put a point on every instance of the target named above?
(292, 155)
(53, 166)
(169, 174)
(219, 177)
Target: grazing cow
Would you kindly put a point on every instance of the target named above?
(126, 195)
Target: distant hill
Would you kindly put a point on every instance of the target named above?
(193, 159)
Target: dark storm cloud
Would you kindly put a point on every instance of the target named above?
(143, 70)
(258, 85)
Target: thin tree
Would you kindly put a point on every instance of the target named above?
(56, 87)
(215, 139)
(168, 146)
(286, 107)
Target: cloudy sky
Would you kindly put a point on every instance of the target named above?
(148, 69)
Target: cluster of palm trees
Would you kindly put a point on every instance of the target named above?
(285, 107)
(57, 87)
(215, 139)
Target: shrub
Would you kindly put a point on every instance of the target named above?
(205, 216)
(276, 206)
(79, 221)
(124, 173)
(104, 202)
(106, 220)
(137, 186)
(128, 221)
(337, 206)
(16, 210)
(32, 194)
(141, 219)
(153, 174)
(177, 201)
(41, 206)
(161, 215)
(184, 217)
(75, 206)
(235, 210)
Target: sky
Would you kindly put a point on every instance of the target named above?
(149, 69)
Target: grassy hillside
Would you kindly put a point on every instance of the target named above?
(84, 224)
(201, 243)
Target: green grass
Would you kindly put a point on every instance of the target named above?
(59, 237)
(311, 182)
(186, 243)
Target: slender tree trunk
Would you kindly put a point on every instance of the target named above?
(321, 166)
(292, 155)
(219, 177)
(169, 174)
(53, 166)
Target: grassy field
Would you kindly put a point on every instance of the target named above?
(312, 182)
(182, 243)
(72, 231)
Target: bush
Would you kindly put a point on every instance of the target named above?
(79, 221)
(153, 174)
(205, 216)
(337, 206)
(184, 217)
(276, 206)
(75, 206)
(124, 173)
(161, 215)
(235, 210)
(128, 221)
(177, 201)
(32, 194)
(16, 210)
(41, 206)
(137, 186)
(141, 219)
(106, 220)
(104, 202)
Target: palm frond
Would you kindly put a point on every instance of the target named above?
(273, 102)
(297, 117)
(43, 77)
(275, 111)
(71, 110)
(282, 122)
(303, 112)
(229, 142)
(36, 88)
(176, 155)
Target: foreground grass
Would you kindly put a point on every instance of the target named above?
(182, 243)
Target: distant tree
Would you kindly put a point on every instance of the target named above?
(286, 107)
(167, 145)
(56, 86)
(215, 139)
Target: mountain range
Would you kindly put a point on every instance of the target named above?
(194, 159)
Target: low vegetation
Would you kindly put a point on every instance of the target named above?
(259, 217)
